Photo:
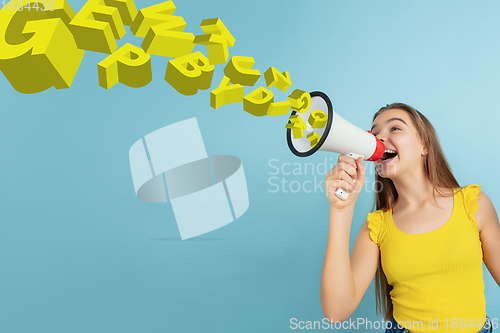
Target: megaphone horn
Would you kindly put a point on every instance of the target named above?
(337, 135)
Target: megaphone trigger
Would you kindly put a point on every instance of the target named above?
(355, 156)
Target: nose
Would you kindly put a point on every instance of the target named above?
(381, 136)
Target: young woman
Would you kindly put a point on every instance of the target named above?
(425, 242)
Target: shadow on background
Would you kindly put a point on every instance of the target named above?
(169, 239)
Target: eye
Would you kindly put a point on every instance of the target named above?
(393, 128)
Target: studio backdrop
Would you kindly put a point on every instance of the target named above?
(147, 182)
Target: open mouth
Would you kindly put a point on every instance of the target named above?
(389, 154)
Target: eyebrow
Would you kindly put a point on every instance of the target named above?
(388, 121)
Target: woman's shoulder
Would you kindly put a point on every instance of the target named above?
(468, 189)
(475, 202)
(470, 194)
(479, 207)
(379, 214)
(375, 221)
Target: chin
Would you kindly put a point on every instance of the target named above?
(386, 170)
(389, 176)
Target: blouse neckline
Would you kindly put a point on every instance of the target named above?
(429, 232)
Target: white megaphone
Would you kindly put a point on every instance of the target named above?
(338, 135)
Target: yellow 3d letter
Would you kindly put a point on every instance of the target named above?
(217, 39)
(37, 49)
(297, 125)
(314, 138)
(189, 73)
(258, 101)
(278, 108)
(128, 65)
(317, 119)
(301, 100)
(226, 93)
(100, 22)
(275, 78)
(164, 33)
(239, 70)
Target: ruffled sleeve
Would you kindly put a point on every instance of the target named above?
(374, 224)
(471, 194)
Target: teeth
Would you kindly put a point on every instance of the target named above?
(390, 151)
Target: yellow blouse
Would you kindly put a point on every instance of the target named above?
(437, 276)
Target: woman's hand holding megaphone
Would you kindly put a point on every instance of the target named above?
(348, 174)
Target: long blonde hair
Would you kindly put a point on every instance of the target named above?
(440, 175)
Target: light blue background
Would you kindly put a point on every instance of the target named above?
(80, 253)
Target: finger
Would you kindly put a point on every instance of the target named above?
(360, 177)
(337, 169)
(346, 177)
(361, 170)
(333, 186)
(347, 159)
(349, 169)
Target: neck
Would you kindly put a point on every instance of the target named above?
(414, 189)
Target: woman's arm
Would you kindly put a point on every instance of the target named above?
(345, 279)
(337, 283)
(489, 232)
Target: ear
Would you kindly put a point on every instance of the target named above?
(424, 151)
